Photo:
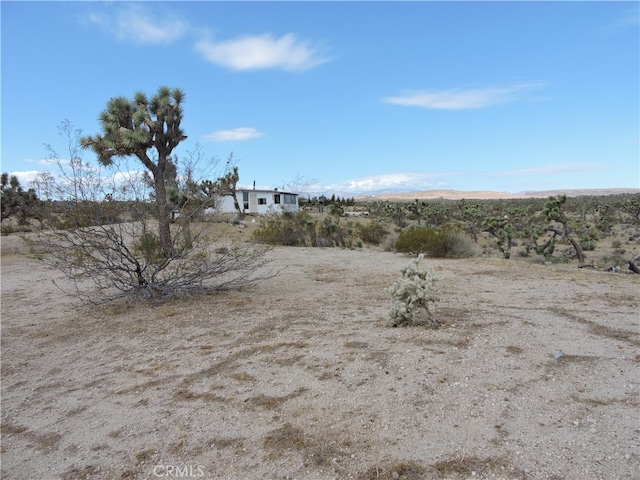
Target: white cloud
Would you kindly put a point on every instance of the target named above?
(262, 52)
(136, 25)
(401, 181)
(25, 178)
(234, 135)
(461, 99)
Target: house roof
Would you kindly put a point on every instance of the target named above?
(264, 191)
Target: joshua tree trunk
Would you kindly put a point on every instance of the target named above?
(163, 215)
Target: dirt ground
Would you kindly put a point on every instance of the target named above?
(298, 378)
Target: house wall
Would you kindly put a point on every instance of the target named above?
(261, 202)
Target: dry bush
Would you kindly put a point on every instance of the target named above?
(124, 261)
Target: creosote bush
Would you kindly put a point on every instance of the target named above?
(447, 241)
(300, 229)
(288, 228)
(412, 295)
(373, 232)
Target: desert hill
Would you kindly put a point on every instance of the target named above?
(490, 195)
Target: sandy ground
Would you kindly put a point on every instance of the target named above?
(297, 377)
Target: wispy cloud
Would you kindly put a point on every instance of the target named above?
(629, 18)
(541, 177)
(262, 52)
(137, 25)
(234, 135)
(140, 25)
(548, 170)
(462, 99)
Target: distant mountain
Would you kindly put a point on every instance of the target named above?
(582, 193)
(488, 195)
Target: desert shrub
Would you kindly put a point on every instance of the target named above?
(294, 229)
(300, 229)
(617, 257)
(336, 209)
(444, 242)
(415, 240)
(454, 243)
(373, 232)
(331, 232)
(389, 244)
(411, 296)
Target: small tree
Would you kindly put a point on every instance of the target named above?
(412, 295)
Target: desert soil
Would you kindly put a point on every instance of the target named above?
(297, 376)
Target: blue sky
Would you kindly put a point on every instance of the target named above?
(356, 97)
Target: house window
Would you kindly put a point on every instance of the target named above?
(290, 199)
(262, 201)
(276, 199)
(245, 200)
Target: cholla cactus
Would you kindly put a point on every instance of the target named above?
(412, 295)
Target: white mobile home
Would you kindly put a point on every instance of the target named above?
(261, 201)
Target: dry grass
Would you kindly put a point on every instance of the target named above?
(599, 329)
(185, 395)
(467, 467)
(88, 471)
(513, 350)
(272, 402)
(243, 377)
(282, 439)
(325, 447)
(227, 442)
(11, 429)
(395, 471)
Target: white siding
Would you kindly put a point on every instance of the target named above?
(261, 202)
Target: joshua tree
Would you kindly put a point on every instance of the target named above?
(15, 200)
(149, 129)
(554, 211)
(102, 233)
(226, 185)
(503, 231)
